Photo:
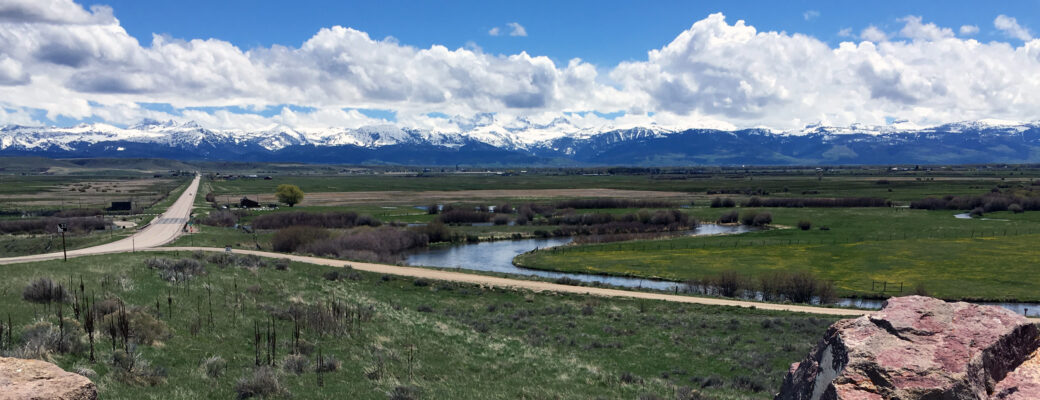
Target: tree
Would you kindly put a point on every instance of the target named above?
(289, 194)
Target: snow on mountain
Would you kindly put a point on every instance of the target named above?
(560, 135)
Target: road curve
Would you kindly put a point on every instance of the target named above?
(162, 230)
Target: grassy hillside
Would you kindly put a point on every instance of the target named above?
(391, 335)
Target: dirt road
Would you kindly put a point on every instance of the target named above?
(538, 286)
(162, 230)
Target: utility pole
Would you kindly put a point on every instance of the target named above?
(61, 229)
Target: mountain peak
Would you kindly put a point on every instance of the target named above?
(556, 139)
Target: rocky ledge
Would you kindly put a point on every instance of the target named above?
(920, 348)
(34, 379)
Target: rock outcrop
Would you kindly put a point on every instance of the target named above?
(920, 348)
(39, 380)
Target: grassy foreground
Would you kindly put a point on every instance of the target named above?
(406, 338)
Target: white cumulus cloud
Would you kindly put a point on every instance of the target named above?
(1011, 28)
(969, 30)
(873, 34)
(65, 60)
(917, 30)
(516, 29)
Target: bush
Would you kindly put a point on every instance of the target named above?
(107, 306)
(145, 328)
(456, 216)
(435, 231)
(328, 363)
(292, 238)
(817, 202)
(990, 202)
(755, 218)
(762, 219)
(977, 212)
(221, 259)
(332, 275)
(729, 218)
(49, 225)
(176, 270)
(729, 283)
(804, 225)
(1015, 208)
(719, 202)
(214, 367)
(295, 364)
(132, 369)
(222, 218)
(405, 393)
(42, 338)
(331, 220)
(500, 220)
(797, 287)
(44, 291)
(263, 382)
(380, 244)
(504, 209)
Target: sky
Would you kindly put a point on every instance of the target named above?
(238, 64)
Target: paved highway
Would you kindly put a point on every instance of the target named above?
(162, 230)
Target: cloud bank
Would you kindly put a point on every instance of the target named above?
(60, 60)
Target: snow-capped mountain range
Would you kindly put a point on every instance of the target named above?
(521, 142)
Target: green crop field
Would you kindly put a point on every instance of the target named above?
(429, 339)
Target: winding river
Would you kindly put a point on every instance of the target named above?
(498, 257)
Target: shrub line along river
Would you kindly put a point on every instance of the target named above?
(498, 257)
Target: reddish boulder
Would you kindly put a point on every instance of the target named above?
(920, 348)
(38, 380)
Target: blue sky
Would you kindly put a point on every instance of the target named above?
(471, 65)
(601, 32)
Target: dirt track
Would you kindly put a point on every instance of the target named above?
(433, 196)
(538, 286)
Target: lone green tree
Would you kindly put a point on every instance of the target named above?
(289, 194)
